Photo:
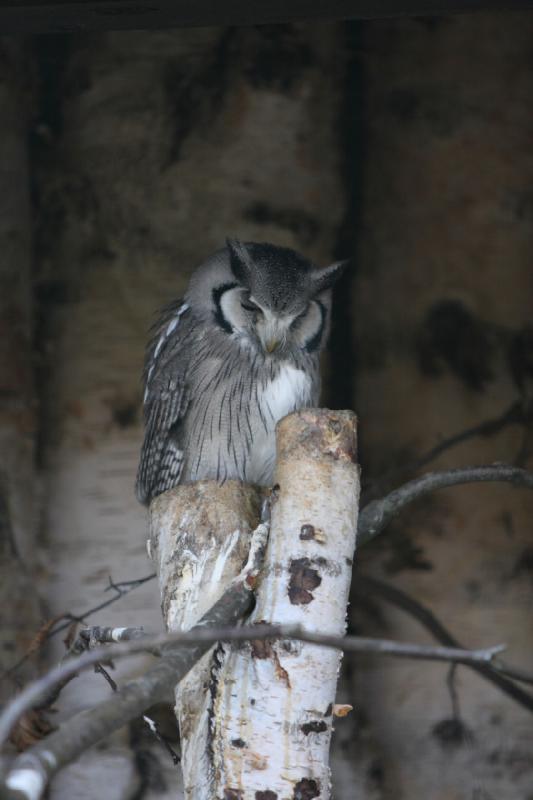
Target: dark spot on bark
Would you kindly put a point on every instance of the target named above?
(450, 733)
(405, 554)
(51, 293)
(8, 544)
(261, 648)
(329, 710)
(473, 590)
(51, 55)
(304, 226)
(78, 80)
(267, 794)
(307, 532)
(437, 110)
(524, 563)
(195, 99)
(334, 425)
(252, 701)
(303, 580)
(403, 104)
(306, 789)
(376, 772)
(431, 24)
(506, 519)
(313, 727)
(238, 743)
(278, 57)
(124, 415)
(452, 338)
(519, 204)
(290, 646)
(349, 562)
(322, 562)
(520, 358)
(233, 794)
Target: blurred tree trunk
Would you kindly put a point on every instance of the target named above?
(19, 490)
(154, 148)
(442, 306)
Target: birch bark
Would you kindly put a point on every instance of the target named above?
(256, 719)
(19, 605)
(440, 345)
(199, 540)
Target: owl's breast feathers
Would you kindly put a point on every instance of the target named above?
(291, 389)
(236, 398)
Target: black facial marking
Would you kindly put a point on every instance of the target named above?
(314, 342)
(219, 317)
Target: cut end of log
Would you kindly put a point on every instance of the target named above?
(205, 495)
(316, 433)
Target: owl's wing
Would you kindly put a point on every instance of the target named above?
(165, 402)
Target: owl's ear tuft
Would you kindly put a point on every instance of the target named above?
(325, 278)
(240, 261)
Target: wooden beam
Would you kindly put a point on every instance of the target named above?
(42, 16)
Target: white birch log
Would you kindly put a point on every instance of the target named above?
(199, 541)
(275, 702)
(256, 719)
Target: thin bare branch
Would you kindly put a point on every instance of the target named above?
(120, 588)
(62, 622)
(376, 515)
(90, 726)
(499, 674)
(515, 414)
(34, 767)
(207, 635)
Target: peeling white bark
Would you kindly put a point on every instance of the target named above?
(200, 537)
(256, 719)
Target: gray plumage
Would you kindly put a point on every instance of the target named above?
(226, 363)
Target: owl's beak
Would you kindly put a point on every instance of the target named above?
(271, 345)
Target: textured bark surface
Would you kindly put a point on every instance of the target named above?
(200, 537)
(273, 713)
(258, 718)
(442, 308)
(19, 489)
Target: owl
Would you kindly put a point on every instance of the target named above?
(225, 364)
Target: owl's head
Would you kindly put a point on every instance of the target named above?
(271, 297)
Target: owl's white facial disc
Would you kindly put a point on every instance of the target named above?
(237, 312)
(231, 315)
(310, 327)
